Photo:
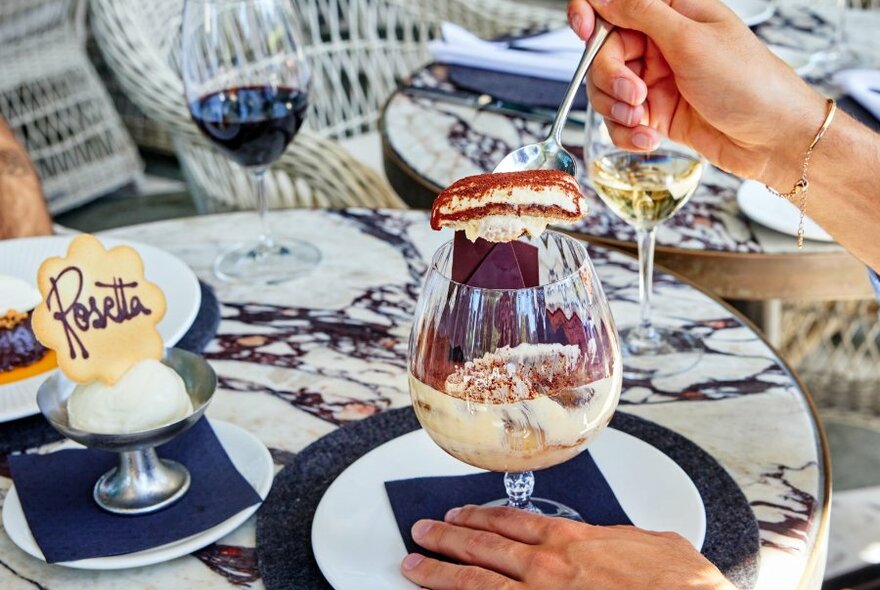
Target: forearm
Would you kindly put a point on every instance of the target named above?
(844, 191)
(23, 209)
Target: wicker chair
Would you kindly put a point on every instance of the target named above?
(359, 49)
(140, 42)
(54, 100)
(488, 18)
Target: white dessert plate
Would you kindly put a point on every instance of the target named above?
(355, 537)
(248, 454)
(21, 258)
(752, 12)
(760, 205)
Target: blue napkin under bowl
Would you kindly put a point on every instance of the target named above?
(577, 483)
(55, 491)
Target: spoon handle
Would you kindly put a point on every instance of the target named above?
(594, 44)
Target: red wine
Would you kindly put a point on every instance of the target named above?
(252, 124)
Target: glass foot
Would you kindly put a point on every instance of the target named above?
(658, 352)
(541, 506)
(267, 263)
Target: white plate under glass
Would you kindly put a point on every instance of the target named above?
(357, 544)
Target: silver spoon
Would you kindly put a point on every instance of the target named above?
(549, 154)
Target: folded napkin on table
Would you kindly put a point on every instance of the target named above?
(55, 491)
(578, 483)
(530, 71)
(863, 86)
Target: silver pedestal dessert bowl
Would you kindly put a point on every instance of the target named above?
(142, 482)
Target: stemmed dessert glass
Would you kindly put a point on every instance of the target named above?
(516, 380)
(646, 189)
(246, 82)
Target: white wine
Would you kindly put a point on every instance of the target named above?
(646, 189)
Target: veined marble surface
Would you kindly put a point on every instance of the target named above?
(442, 142)
(297, 360)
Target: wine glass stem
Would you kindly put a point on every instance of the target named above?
(646, 238)
(258, 177)
(519, 488)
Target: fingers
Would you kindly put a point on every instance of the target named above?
(616, 110)
(635, 139)
(512, 523)
(437, 575)
(611, 74)
(581, 18)
(474, 547)
(656, 18)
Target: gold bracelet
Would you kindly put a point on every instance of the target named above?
(802, 186)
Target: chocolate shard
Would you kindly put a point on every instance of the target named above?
(488, 265)
(527, 258)
(467, 256)
(498, 270)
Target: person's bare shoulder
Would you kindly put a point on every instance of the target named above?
(23, 210)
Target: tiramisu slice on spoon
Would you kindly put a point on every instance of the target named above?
(503, 206)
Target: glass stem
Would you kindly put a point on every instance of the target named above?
(646, 239)
(258, 178)
(519, 488)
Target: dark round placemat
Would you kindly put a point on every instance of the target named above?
(34, 431)
(284, 523)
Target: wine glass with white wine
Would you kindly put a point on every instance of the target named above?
(645, 189)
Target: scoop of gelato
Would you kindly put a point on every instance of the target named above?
(147, 396)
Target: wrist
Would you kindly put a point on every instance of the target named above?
(797, 130)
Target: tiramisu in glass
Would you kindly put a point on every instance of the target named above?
(521, 378)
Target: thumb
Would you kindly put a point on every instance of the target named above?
(655, 18)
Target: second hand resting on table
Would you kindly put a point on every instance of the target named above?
(692, 71)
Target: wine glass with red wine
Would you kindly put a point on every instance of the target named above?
(246, 82)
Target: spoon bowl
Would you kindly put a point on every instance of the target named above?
(549, 154)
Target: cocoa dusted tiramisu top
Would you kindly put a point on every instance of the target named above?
(501, 207)
(513, 374)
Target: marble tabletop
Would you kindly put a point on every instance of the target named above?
(295, 361)
(436, 143)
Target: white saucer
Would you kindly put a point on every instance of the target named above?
(248, 454)
(758, 204)
(752, 12)
(21, 258)
(355, 537)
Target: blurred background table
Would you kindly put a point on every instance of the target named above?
(295, 361)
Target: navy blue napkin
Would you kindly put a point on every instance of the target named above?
(577, 483)
(56, 494)
(204, 327)
(522, 90)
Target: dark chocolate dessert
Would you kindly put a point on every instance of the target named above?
(18, 345)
